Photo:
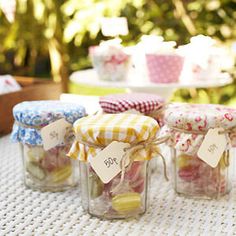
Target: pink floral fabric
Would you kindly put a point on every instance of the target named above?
(193, 118)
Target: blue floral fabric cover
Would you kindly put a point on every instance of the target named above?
(40, 114)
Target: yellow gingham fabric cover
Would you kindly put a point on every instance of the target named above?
(103, 129)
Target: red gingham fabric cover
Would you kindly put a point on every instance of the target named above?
(142, 102)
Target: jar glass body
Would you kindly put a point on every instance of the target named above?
(49, 170)
(195, 178)
(129, 200)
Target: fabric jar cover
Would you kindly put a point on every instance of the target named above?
(104, 129)
(33, 114)
(144, 103)
(185, 121)
(164, 68)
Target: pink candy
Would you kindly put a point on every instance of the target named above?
(54, 160)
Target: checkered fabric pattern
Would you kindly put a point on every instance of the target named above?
(142, 102)
(164, 68)
(103, 129)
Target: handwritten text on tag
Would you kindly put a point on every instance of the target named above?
(213, 146)
(54, 133)
(107, 163)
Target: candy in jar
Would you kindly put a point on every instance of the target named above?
(46, 168)
(111, 187)
(197, 172)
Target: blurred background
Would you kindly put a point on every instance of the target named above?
(49, 39)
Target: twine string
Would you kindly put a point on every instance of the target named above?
(136, 148)
(69, 133)
(131, 151)
(225, 131)
(38, 127)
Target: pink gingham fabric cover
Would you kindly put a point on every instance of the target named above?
(142, 102)
(194, 118)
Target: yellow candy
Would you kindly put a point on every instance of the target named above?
(183, 160)
(35, 153)
(96, 186)
(61, 174)
(35, 170)
(222, 163)
(126, 202)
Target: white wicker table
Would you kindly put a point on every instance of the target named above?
(27, 212)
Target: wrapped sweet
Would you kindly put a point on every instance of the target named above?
(46, 169)
(106, 192)
(190, 125)
(110, 60)
(147, 104)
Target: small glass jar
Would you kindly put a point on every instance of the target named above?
(49, 170)
(120, 197)
(46, 170)
(131, 199)
(188, 124)
(195, 178)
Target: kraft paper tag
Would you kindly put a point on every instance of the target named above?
(212, 147)
(107, 163)
(133, 111)
(54, 133)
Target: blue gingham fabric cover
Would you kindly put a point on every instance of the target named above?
(40, 114)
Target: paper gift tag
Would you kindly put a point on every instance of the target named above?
(212, 147)
(54, 133)
(107, 163)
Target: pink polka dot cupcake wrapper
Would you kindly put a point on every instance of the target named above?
(164, 68)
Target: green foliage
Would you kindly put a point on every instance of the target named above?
(50, 34)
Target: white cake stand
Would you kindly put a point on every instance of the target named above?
(136, 83)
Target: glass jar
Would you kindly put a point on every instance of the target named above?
(188, 125)
(131, 199)
(126, 194)
(50, 169)
(195, 178)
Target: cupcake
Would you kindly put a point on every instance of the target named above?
(110, 61)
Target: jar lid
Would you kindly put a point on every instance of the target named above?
(199, 117)
(104, 129)
(32, 115)
(142, 102)
(41, 113)
(188, 123)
